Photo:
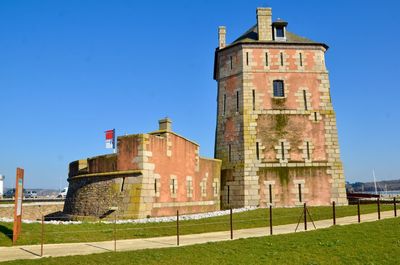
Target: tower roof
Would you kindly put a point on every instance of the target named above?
(251, 36)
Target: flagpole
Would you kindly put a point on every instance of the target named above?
(114, 149)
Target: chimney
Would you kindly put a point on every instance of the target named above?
(264, 23)
(221, 36)
(165, 125)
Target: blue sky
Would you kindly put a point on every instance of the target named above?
(69, 70)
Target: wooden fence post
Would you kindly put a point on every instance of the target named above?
(379, 209)
(334, 213)
(305, 217)
(42, 238)
(231, 221)
(115, 233)
(177, 227)
(270, 220)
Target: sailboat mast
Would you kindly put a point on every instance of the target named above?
(373, 173)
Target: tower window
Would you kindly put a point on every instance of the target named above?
(301, 59)
(257, 151)
(278, 88)
(270, 193)
(189, 188)
(231, 62)
(280, 32)
(308, 150)
(305, 99)
(247, 58)
(300, 197)
(281, 58)
(266, 59)
(229, 153)
(237, 101)
(254, 99)
(173, 186)
(224, 110)
(315, 116)
(283, 150)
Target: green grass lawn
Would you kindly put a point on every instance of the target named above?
(367, 243)
(86, 232)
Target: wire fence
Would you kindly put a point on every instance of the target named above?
(269, 219)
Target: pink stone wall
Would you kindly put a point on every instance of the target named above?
(127, 150)
(315, 191)
(184, 161)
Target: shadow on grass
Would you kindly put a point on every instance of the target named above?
(6, 231)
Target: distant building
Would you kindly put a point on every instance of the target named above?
(153, 174)
(276, 128)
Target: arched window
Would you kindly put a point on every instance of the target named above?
(279, 90)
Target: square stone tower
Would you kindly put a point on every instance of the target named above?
(276, 128)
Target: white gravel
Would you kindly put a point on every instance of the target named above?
(196, 216)
(9, 220)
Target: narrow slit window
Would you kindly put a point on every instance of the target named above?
(122, 184)
(305, 99)
(257, 151)
(189, 188)
(270, 193)
(229, 153)
(300, 195)
(301, 59)
(281, 58)
(224, 107)
(266, 59)
(308, 150)
(279, 90)
(155, 185)
(315, 116)
(283, 150)
(237, 101)
(215, 188)
(254, 99)
(231, 62)
(247, 58)
(173, 186)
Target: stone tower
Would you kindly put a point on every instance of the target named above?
(276, 128)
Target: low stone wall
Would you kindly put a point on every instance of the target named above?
(31, 211)
(93, 196)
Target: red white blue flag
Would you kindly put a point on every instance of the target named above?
(110, 139)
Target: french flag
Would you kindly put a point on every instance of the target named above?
(110, 139)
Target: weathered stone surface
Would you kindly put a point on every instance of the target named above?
(159, 168)
(262, 138)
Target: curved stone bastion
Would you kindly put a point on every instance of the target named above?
(152, 174)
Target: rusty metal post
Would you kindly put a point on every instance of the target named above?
(270, 219)
(229, 196)
(394, 207)
(379, 208)
(115, 233)
(42, 238)
(231, 223)
(177, 227)
(358, 211)
(334, 213)
(305, 216)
